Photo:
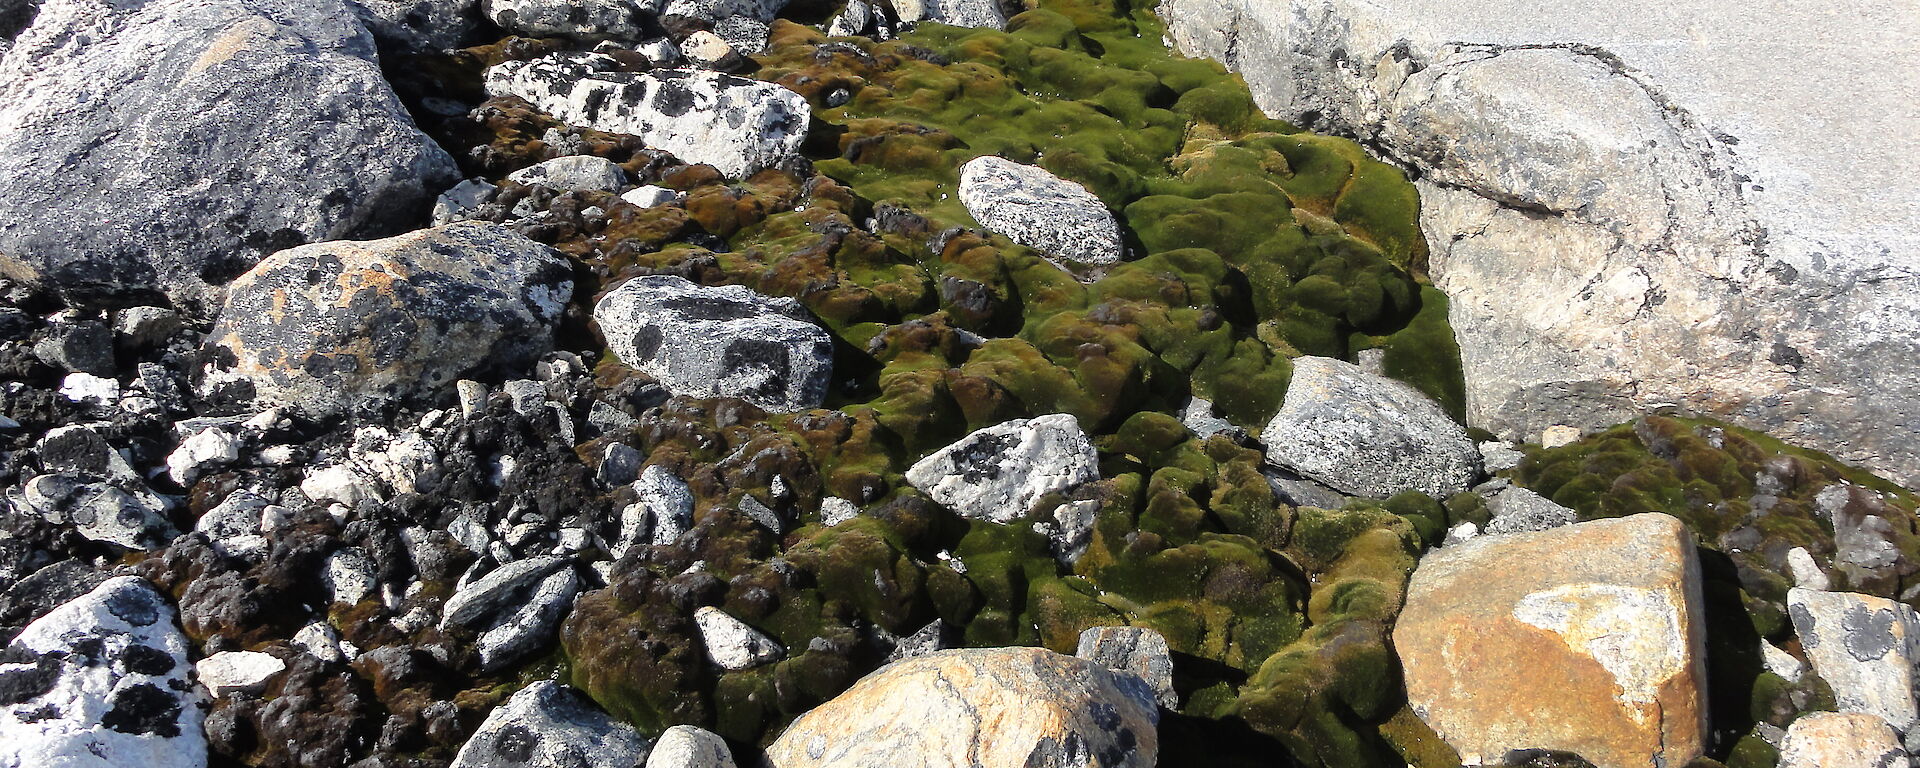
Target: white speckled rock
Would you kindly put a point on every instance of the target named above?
(549, 725)
(574, 172)
(736, 125)
(578, 19)
(718, 342)
(1865, 647)
(1040, 210)
(1837, 740)
(1367, 435)
(732, 644)
(956, 13)
(998, 473)
(348, 576)
(686, 746)
(1593, 634)
(237, 671)
(102, 682)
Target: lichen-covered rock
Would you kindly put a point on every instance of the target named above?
(735, 125)
(420, 26)
(530, 623)
(1865, 647)
(684, 746)
(1040, 210)
(184, 141)
(998, 473)
(956, 13)
(989, 706)
(548, 725)
(1841, 740)
(1367, 434)
(732, 644)
(102, 682)
(1600, 654)
(625, 20)
(495, 592)
(718, 342)
(574, 172)
(1137, 651)
(329, 327)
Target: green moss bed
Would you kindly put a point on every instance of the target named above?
(1251, 243)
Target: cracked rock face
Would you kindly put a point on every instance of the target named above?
(1617, 221)
(1366, 434)
(1040, 210)
(1618, 630)
(987, 706)
(1865, 647)
(190, 139)
(549, 725)
(1841, 740)
(330, 326)
(102, 682)
(736, 125)
(998, 473)
(725, 341)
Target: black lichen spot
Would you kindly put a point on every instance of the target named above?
(142, 709)
(1787, 356)
(646, 343)
(23, 685)
(673, 99)
(754, 355)
(146, 660)
(979, 460)
(515, 745)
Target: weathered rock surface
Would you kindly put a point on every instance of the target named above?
(956, 13)
(1137, 651)
(1000, 472)
(736, 125)
(731, 643)
(420, 25)
(102, 682)
(549, 725)
(237, 671)
(1367, 435)
(184, 141)
(574, 172)
(686, 746)
(1865, 647)
(1518, 510)
(988, 706)
(1600, 654)
(1040, 210)
(1617, 220)
(579, 19)
(1835, 740)
(725, 341)
(332, 326)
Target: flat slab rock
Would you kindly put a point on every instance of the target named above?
(325, 327)
(982, 706)
(1039, 210)
(550, 725)
(725, 341)
(1367, 435)
(1592, 633)
(102, 682)
(998, 473)
(736, 125)
(187, 140)
(1865, 647)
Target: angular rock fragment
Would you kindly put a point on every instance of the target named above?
(998, 473)
(736, 125)
(230, 672)
(530, 624)
(718, 342)
(574, 172)
(333, 326)
(957, 13)
(1835, 740)
(1518, 510)
(1367, 435)
(1865, 647)
(1138, 651)
(1600, 654)
(494, 591)
(1040, 210)
(985, 706)
(731, 643)
(549, 725)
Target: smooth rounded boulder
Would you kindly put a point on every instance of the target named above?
(328, 327)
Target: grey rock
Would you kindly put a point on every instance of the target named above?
(1293, 490)
(998, 473)
(1864, 543)
(936, 636)
(718, 342)
(709, 51)
(102, 682)
(494, 592)
(1039, 210)
(320, 641)
(330, 327)
(206, 450)
(1518, 510)
(233, 526)
(686, 746)
(578, 19)
(349, 576)
(1805, 570)
(576, 172)
(957, 13)
(230, 672)
(731, 643)
(1865, 647)
(620, 464)
(650, 196)
(664, 510)
(736, 125)
(1367, 435)
(1072, 530)
(835, 510)
(146, 326)
(1840, 740)
(1496, 456)
(660, 51)
(1617, 221)
(123, 513)
(1199, 417)
(420, 26)
(190, 139)
(525, 396)
(461, 201)
(549, 725)
(92, 391)
(36, 594)
(78, 343)
(1137, 651)
(530, 626)
(762, 514)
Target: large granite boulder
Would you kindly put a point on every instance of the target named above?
(983, 706)
(725, 341)
(549, 725)
(1040, 210)
(1865, 647)
(102, 682)
(186, 140)
(1366, 434)
(331, 326)
(999, 473)
(1633, 204)
(736, 125)
(1592, 635)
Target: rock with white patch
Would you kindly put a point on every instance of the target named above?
(206, 450)
(687, 746)
(835, 510)
(550, 725)
(1037, 209)
(998, 473)
(1367, 435)
(496, 590)
(1599, 654)
(1072, 530)
(731, 643)
(1841, 740)
(957, 13)
(122, 513)
(102, 682)
(234, 526)
(736, 125)
(1805, 570)
(348, 576)
(1137, 651)
(531, 622)
(725, 341)
(1865, 647)
(650, 196)
(574, 172)
(230, 672)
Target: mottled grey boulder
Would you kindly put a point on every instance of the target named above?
(686, 746)
(331, 326)
(102, 682)
(1138, 651)
(549, 725)
(998, 473)
(89, 486)
(574, 172)
(724, 341)
(1367, 435)
(419, 26)
(580, 19)
(1865, 647)
(1518, 510)
(1040, 210)
(186, 140)
(736, 125)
